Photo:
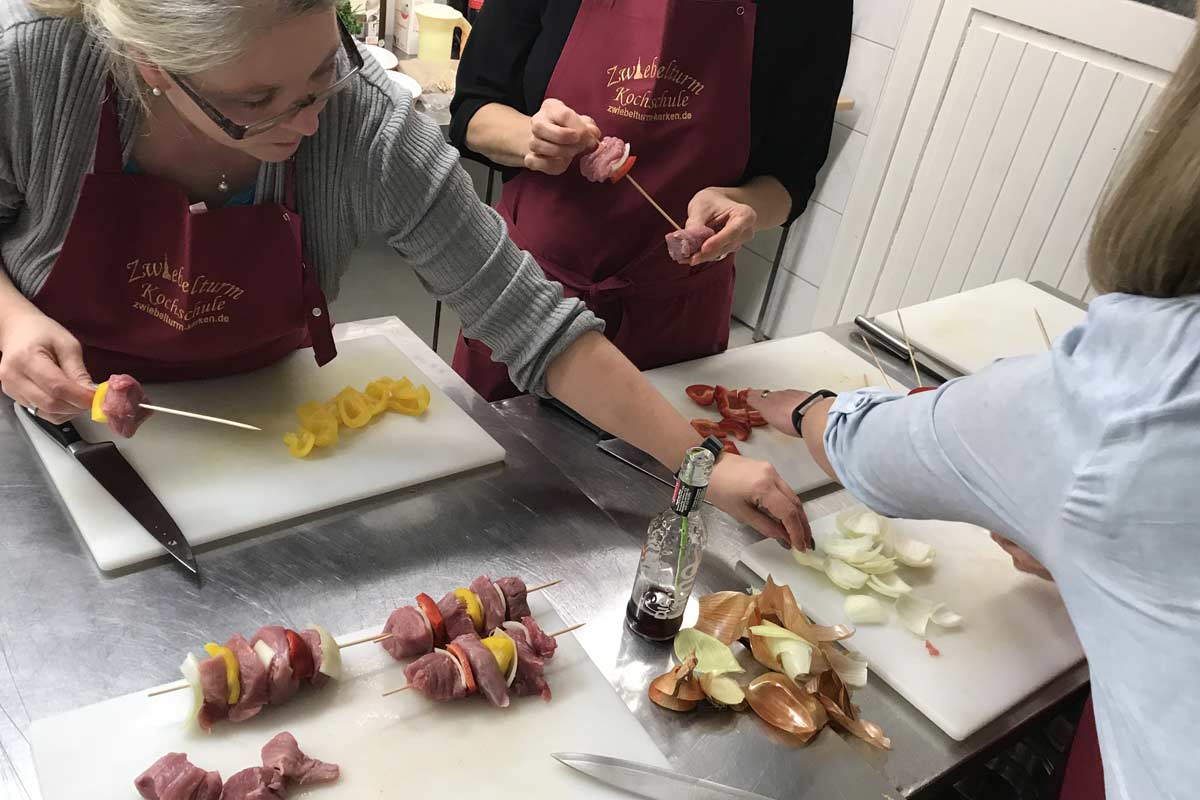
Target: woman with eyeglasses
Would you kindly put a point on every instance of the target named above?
(182, 183)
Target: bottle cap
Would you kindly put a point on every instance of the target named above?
(697, 467)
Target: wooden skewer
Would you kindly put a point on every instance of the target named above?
(878, 366)
(204, 417)
(375, 637)
(911, 355)
(1042, 327)
(650, 199)
(554, 635)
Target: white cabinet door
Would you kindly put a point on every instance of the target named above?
(999, 127)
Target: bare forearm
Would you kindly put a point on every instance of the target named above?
(595, 379)
(500, 133)
(766, 195)
(12, 303)
(815, 420)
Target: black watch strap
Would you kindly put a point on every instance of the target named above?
(809, 402)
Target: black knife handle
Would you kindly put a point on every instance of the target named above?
(65, 433)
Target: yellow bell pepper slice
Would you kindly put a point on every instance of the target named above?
(503, 650)
(300, 444)
(378, 393)
(232, 677)
(474, 607)
(410, 401)
(316, 418)
(98, 414)
(354, 407)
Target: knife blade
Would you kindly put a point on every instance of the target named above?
(649, 781)
(627, 453)
(110, 469)
(889, 342)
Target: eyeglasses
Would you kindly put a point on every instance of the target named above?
(238, 132)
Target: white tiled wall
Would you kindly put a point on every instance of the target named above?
(806, 260)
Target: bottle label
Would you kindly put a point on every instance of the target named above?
(686, 499)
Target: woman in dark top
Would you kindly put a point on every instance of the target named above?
(728, 106)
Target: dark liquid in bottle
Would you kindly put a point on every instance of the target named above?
(647, 617)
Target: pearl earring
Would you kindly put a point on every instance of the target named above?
(157, 92)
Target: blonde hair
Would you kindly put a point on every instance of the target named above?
(180, 36)
(1147, 235)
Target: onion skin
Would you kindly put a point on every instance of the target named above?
(782, 704)
(678, 690)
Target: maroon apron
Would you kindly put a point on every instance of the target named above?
(672, 78)
(154, 290)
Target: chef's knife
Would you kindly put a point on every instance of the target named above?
(106, 464)
(885, 339)
(655, 783)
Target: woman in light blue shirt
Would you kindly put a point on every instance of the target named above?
(1087, 457)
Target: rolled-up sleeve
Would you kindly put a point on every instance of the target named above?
(423, 202)
(967, 452)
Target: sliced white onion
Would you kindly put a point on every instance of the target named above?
(428, 624)
(331, 654)
(810, 559)
(621, 163)
(860, 548)
(503, 601)
(879, 565)
(769, 630)
(863, 609)
(944, 617)
(462, 675)
(795, 655)
(845, 576)
(191, 672)
(510, 627)
(861, 522)
(914, 613)
(850, 666)
(512, 668)
(264, 652)
(913, 553)
(888, 585)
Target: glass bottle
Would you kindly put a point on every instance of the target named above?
(672, 553)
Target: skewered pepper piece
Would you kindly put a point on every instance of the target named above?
(300, 444)
(474, 607)
(98, 414)
(503, 650)
(233, 678)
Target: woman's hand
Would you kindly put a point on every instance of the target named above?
(754, 493)
(1021, 559)
(777, 407)
(556, 136)
(41, 366)
(735, 223)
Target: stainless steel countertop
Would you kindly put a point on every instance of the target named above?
(71, 635)
(922, 756)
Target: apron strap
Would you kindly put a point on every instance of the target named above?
(109, 155)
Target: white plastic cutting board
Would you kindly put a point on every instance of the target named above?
(218, 481)
(400, 747)
(1015, 638)
(970, 330)
(810, 362)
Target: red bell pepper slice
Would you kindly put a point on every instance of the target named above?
(461, 656)
(623, 170)
(300, 656)
(430, 609)
(701, 393)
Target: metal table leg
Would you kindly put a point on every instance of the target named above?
(759, 336)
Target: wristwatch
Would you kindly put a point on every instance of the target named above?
(809, 402)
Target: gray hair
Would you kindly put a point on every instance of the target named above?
(180, 36)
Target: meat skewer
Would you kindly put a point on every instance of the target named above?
(463, 669)
(1042, 327)
(611, 161)
(316, 637)
(120, 403)
(912, 356)
(878, 366)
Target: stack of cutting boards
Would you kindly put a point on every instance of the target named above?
(400, 747)
(217, 481)
(1016, 635)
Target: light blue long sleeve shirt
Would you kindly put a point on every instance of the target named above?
(1089, 458)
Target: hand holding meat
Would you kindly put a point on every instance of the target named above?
(754, 493)
(557, 134)
(734, 224)
(41, 366)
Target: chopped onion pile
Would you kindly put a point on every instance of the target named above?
(865, 553)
